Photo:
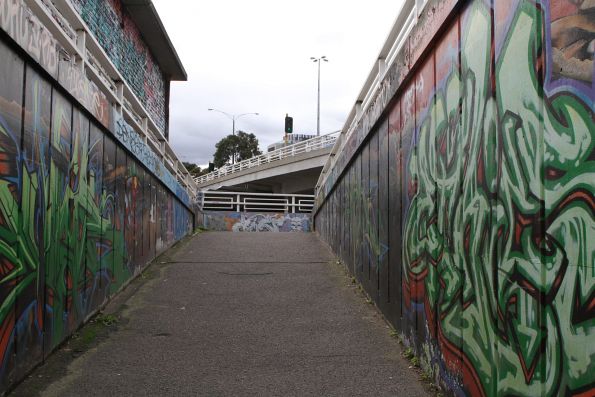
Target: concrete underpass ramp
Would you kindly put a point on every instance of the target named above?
(254, 314)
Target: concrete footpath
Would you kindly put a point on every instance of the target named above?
(234, 314)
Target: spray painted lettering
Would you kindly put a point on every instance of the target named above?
(78, 217)
(17, 20)
(490, 202)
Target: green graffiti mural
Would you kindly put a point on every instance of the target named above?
(491, 181)
(76, 221)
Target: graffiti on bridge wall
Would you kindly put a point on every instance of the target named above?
(17, 19)
(572, 33)
(78, 217)
(491, 181)
(20, 23)
(72, 77)
(133, 142)
(256, 222)
(120, 38)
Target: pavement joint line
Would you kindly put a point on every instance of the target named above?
(237, 262)
(245, 274)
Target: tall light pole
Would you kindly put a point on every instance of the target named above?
(233, 118)
(319, 61)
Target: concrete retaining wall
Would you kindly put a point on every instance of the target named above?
(256, 222)
(464, 202)
(79, 214)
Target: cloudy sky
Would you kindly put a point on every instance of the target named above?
(254, 56)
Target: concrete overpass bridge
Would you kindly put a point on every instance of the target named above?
(291, 169)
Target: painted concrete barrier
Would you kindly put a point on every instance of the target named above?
(467, 207)
(256, 222)
(79, 215)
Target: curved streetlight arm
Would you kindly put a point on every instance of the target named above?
(233, 118)
(237, 116)
(230, 116)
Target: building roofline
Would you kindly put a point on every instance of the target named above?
(146, 18)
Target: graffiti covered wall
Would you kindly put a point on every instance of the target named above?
(121, 40)
(17, 19)
(133, 142)
(468, 211)
(79, 217)
(19, 22)
(229, 221)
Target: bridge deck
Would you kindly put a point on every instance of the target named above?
(236, 314)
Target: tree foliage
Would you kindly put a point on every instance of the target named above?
(242, 145)
(194, 169)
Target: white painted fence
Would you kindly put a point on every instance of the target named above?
(212, 200)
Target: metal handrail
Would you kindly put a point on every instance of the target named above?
(255, 202)
(63, 17)
(397, 37)
(319, 142)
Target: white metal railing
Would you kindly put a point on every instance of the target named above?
(404, 23)
(320, 142)
(212, 200)
(60, 19)
(68, 28)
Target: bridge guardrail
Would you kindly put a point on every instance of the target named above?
(255, 202)
(320, 142)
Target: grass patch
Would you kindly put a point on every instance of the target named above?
(415, 361)
(88, 336)
(107, 319)
(150, 273)
(408, 353)
(95, 328)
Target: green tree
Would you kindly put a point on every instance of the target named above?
(191, 167)
(242, 146)
(194, 169)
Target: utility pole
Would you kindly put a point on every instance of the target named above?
(319, 61)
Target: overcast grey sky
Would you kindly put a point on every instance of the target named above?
(254, 56)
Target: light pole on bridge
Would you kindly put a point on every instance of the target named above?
(319, 61)
(233, 118)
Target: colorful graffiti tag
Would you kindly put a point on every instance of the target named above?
(133, 142)
(117, 33)
(78, 217)
(17, 19)
(256, 222)
(26, 29)
(484, 202)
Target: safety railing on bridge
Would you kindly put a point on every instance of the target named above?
(255, 202)
(320, 142)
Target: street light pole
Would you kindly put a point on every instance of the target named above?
(319, 61)
(233, 118)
